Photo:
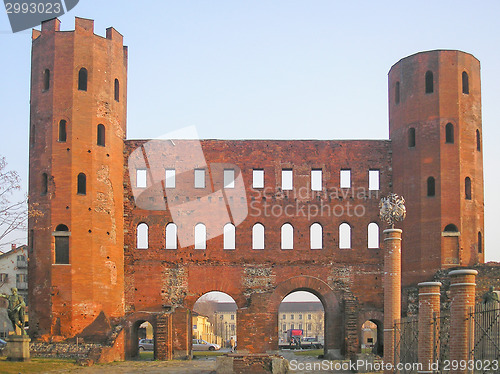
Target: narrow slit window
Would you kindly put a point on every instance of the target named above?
(46, 79)
(287, 179)
(465, 83)
(373, 236)
(345, 179)
(450, 133)
(431, 186)
(199, 178)
(62, 131)
(478, 141)
(344, 236)
(258, 178)
(228, 178)
(396, 93)
(451, 228)
(82, 79)
(82, 184)
(229, 236)
(374, 180)
(45, 184)
(316, 236)
(468, 189)
(171, 236)
(316, 179)
(411, 137)
(141, 178)
(479, 242)
(101, 135)
(170, 178)
(117, 90)
(258, 236)
(200, 236)
(142, 236)
(429, 82)
(287, 236)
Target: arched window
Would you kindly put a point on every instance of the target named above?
(287, 236)
(171, 236)
(478, 140)
(61, 236)
(82, 79)
(373, 235)
(316, 236)
(62, 227)
(200, 236)
(465, 83)
(258, 236)
(451, 228)
(344, 236)
(468, 189)
(431, 186)
(396, 93)
(429, 82)
(411, 137)
(142, 236)
(450, 135)
(46, 79)
(101, 135)
(82, 184)
(479, 242)
(45, 184)
(229, 236)
(62, 131)
(117, 90)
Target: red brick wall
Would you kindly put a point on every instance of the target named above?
(72, 296)
(425, 249)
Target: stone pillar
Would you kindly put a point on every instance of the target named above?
(18, 348)
(163, 342)
(182, 333)
(392, 290)
(429, 307)
(463, 295)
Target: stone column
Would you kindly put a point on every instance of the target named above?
(429, 306)
(182, 333)
(463, 295)
(392, 290)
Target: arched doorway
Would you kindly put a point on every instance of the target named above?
(301, 322)
(143, 340)
(214, 323)
(371, 337)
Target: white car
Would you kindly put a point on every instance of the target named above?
(202, 345)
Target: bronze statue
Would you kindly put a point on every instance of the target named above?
(16, 309)
(491, 296)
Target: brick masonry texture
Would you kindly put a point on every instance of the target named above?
(110, 282)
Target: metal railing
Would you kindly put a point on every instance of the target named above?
(484, 347)
(406, 342)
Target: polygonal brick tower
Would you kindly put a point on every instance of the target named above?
(435, 129)
(78, 125)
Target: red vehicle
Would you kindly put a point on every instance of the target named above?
(293, 339)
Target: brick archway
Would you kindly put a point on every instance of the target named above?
(131, 331)
(332, 306)
(377, 317)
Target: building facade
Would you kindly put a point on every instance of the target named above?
(138, 230)
(306, 316)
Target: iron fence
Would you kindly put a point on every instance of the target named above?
(406, 343)
(484, 320)
(441, 328)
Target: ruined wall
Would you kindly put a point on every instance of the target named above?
(157, 277)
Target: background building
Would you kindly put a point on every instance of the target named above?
(307, 316)
(13, 273)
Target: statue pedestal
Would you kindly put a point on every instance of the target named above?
(18, 348)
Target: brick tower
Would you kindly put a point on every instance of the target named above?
(78, 126)
(435, 129)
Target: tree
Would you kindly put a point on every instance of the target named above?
(13, 211)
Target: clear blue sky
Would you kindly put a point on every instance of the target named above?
(270, 69)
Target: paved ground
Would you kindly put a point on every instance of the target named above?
(199, 366)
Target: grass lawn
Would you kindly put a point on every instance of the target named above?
(207, 353)
(36, 365)
(309, 352)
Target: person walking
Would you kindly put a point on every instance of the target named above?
(232, 342)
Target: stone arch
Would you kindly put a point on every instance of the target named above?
(211, 286)
(332, 305)
(131, 333)
(377, 317)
